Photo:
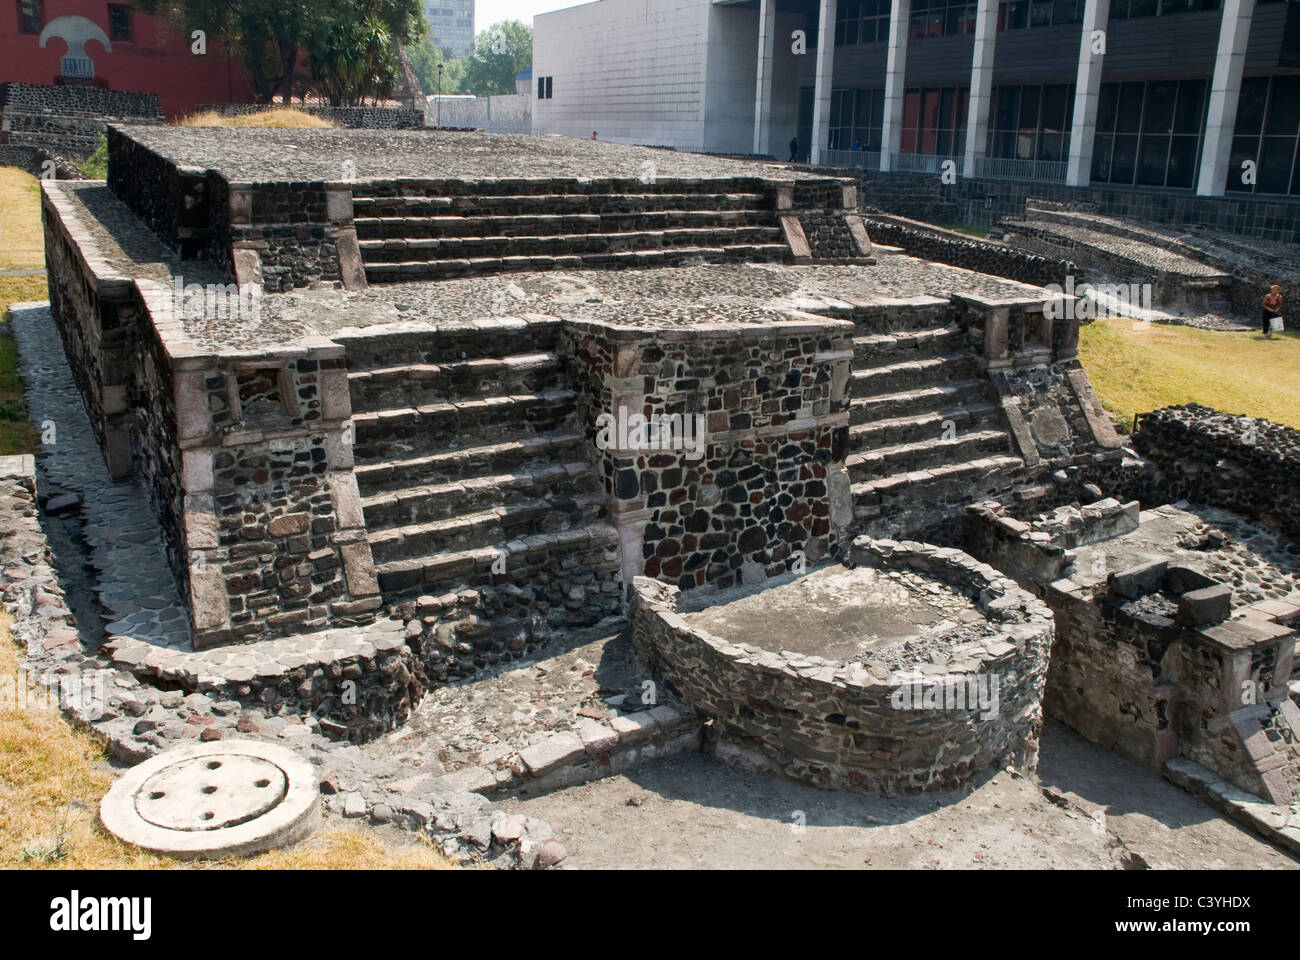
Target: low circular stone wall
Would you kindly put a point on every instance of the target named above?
(926, 716)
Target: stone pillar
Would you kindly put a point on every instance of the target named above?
(821, 124)
(763, 91)
(1225, 88)
(895, 74)
(1087, 90)
(997, 329)
(981, 84)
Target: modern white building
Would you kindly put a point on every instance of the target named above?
(1195, 96)
(451, 25)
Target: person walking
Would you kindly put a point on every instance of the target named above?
(1272, 304)
(593, 134)
(794, 148)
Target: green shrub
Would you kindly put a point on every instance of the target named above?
(96, 165)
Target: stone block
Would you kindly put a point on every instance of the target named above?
(597, 738)
(347, 501)
(1205, 605)
(1136, 581)
(359, 569)
(555, 751)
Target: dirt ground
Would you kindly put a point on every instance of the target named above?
(1086, 809)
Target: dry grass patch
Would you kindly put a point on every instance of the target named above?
(280, 117)
(52, 778)
(22, 245)
(1136, 368)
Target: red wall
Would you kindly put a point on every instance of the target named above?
(156, 60)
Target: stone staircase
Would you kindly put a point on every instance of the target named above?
(474, 475)
(428, 230)
(925, 430)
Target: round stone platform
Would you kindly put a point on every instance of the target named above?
(907, 668)
(214, 800)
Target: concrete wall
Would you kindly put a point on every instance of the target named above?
(632, 70)
(504, 113)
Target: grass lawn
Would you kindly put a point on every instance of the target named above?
(1135, 369)
(22, 247)
(967, 228)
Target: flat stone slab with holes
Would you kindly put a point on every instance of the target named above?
(214, 800)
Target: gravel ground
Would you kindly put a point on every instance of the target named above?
(250, 154)
(1087, 809)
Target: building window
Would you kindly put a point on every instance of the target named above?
(1017, 14)
(1127, 9)
(856, 119)
(1031, 122)
(1267, 135)
(119, 22)
(934, 121)
(31, 16)
(941, 18)
(544, 88)
(1149, 134)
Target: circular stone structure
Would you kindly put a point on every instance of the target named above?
(907, 668)
(212, 800)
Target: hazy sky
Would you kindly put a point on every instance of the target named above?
(488, 12)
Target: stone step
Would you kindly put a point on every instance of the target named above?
(386, 434)
(923, 454)
(531, 225)
(901, 374)
(421, 503)
(484, 204)
(882, 349)
(891, 316)
(439, 269)
(488, 337)
(470, 531)
(911, 486)
(470, 462)
(885, 406)
(375, 252)
(416, 384)
(923, 426)
(475, 566)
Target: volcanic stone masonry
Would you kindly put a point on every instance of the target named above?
(440, 424)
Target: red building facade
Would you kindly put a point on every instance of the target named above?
(114, 46)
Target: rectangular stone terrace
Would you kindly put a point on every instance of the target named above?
(391, 411)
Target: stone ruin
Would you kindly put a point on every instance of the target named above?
(454, 394)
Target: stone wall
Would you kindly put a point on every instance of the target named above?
(146, 183)
(971, 253)
(837, 724)
(1246, 465)
(1153, 661)
(985, 202)
(294, 231)
(763, 476)
(67, 121)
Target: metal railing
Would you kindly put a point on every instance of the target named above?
(1006, 168)
(923, 163)
(854, 159)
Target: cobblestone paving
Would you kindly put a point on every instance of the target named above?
(516, 705)
(134, 584)
(253, 155)
(683, 296)
(1258, 564)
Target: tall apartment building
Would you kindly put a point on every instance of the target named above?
(451, 25)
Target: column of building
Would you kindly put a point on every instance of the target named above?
(821, 122)
(981, 85)
(1225, 90)
(763, 92)
(891, 134)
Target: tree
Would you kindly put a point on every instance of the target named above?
(348, 42)
(425, 59)
(500, 53)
